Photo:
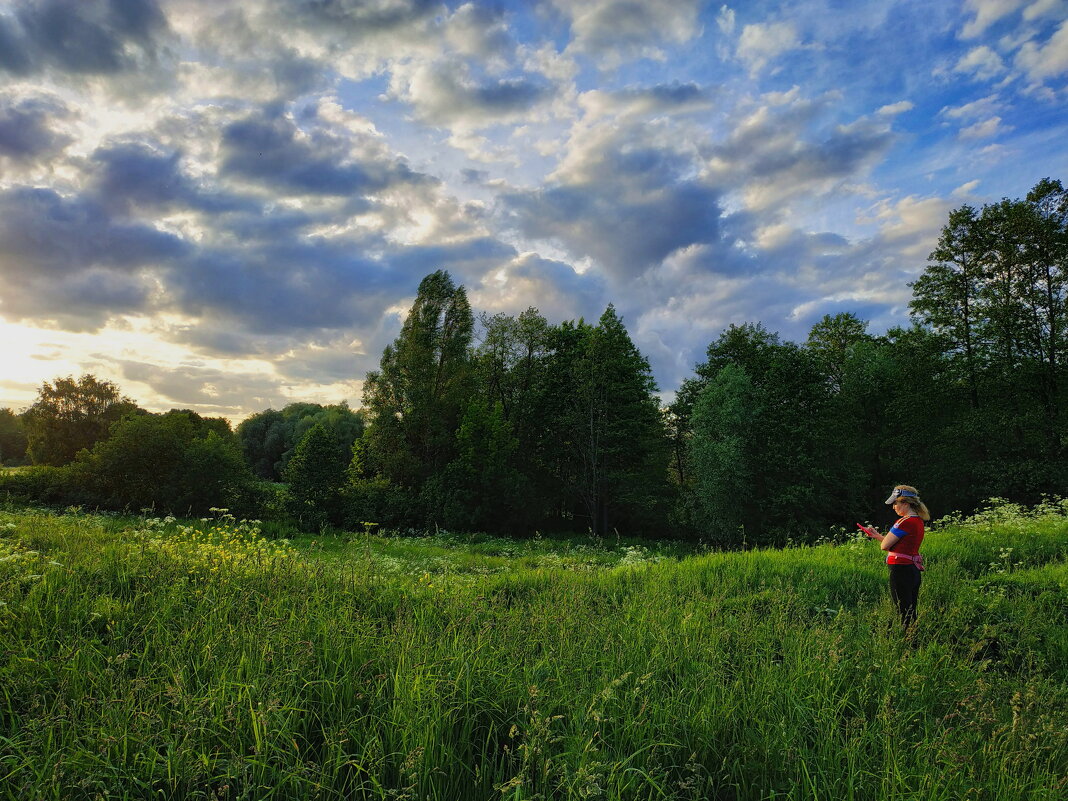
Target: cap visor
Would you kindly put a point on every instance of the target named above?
(891, 499)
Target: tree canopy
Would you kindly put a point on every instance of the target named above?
(69, 416)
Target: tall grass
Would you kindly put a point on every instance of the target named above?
(156, 659)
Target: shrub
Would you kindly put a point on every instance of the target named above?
(176, 462)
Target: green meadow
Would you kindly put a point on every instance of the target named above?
(202, 659)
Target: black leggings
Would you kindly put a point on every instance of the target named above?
(905, 591)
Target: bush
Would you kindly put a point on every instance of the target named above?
(59, 486)
(177, 462)
(378, 500)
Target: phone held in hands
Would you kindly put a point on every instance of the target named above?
(869, 531)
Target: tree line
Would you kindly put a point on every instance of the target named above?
(515, 424)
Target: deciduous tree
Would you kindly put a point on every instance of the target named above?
(69, 416)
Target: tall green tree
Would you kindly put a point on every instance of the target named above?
(315, 476)
(615, 430)
(996, 290)
(69, 416)
(482, 484)
(723, 455)
(787, 432)
(832, 340)
(948, 296)
(416, 397)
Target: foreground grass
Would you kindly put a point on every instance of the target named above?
(145, 659)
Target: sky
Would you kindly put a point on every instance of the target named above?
(229, 206)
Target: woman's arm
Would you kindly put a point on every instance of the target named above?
(889, 541)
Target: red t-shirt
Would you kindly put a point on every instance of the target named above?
(910, 529)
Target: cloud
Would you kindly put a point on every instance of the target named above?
(966, 190)
(628, 212)
(773, 158)
(725, 20)
(762, 43)
(140, 176)
(665, 98)
(554, 287)
(272, 151)
(67, 260)
(983, 107)
(210, 390)
(1050, 60)
(987, 12)
(27, 134)
(893, 109)
(128, 45)
(985, 129)
(981, 63)
(618, 30)
(449, 94)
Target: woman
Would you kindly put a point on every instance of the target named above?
(902, 545)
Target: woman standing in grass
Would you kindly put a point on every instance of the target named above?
(902, 544)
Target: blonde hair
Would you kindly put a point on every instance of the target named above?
(918, 507)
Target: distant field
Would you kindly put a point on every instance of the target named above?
(178, 659)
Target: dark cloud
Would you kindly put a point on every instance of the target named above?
(554, 287)
(841, 154)
(286, 285)
(358, 18)
(452, 93)
(506, 94)
(472, 176)
(25, 133)
(46, 233)
(668, 97)
(273, 152)
(136, 174)
(99, 37)
(633, 214)
(65, 259)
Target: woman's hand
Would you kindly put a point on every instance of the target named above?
(871, 532)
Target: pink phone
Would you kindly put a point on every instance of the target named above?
(868, 530)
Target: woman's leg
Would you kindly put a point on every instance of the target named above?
(905, 591)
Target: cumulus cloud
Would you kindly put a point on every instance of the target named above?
(88, 37)
(141, 176)
(1044, 61)
(269, 215)
(28, 127)
(762, 43)
(982, 63)
(619, 200)
(66, 259)
(670, 98)
(556, 288)
(271, 150)
(774, 157)
(209, 389)
(623, 29)
(449, 94)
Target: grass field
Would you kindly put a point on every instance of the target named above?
(197, 659)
